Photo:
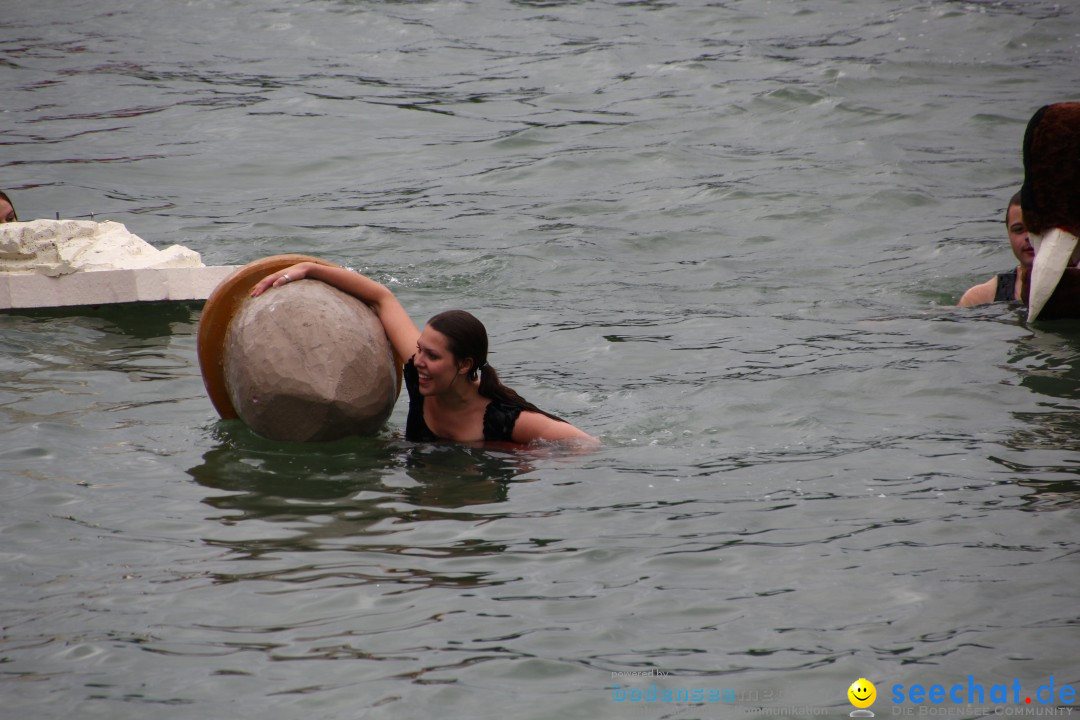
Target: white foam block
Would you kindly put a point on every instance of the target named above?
(105, 287)
(61, 247)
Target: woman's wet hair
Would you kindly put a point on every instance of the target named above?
(467, 339)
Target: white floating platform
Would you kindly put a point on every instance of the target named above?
(107, 287)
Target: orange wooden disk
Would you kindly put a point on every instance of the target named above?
(218, 312)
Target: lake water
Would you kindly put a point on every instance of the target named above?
(725, 237)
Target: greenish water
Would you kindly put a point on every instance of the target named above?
(724, 237)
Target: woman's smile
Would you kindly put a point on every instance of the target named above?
(435, 364)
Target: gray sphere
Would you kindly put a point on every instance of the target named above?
(307, 362)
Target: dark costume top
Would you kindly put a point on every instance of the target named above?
(1006, 287)
(499, 416)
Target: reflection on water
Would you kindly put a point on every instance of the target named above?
(1049, 359)
(143, 321)
(374, 498)
(1047, 362)
(353, 490)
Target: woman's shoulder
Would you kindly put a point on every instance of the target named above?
(980, 294)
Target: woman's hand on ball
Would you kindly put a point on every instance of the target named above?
(289, 274)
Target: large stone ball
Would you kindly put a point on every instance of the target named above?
(308, 362)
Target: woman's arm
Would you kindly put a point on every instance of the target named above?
(980, 294)
(532, 426)
(399, 327)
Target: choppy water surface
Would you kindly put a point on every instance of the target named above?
(725, 237)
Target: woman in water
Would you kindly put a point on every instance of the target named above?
(1006, 286)
(454, 394)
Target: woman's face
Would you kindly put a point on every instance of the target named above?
(7, 213)
(1018, 237)
(436, 365)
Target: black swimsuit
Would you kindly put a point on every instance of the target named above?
(1006, 287)
(499, 417)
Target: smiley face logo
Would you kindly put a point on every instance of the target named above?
(862, 693)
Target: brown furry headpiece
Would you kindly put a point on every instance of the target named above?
(1050, 195)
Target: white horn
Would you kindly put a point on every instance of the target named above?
(1052, 254)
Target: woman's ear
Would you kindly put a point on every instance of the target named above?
(465, 366)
